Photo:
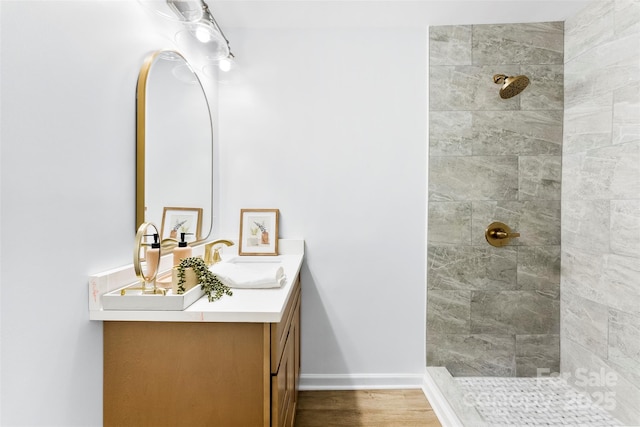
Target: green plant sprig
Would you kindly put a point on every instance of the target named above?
(212, 286)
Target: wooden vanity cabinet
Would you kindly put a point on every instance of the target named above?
(203, 373)
(284, 380)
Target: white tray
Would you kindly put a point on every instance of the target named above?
(135, 300)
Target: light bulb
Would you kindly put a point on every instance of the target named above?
(225, 64)
(203, 34)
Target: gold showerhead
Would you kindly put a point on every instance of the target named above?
(511, 86)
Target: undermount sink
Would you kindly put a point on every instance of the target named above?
(250, 272)
(254, 260)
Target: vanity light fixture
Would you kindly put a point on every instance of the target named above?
(203, 31)
(206, 30)
(175, 10)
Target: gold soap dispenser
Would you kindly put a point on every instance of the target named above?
(182, 251)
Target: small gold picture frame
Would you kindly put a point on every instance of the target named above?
(258, 232)
(176, 220)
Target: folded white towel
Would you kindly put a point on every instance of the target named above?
(250, 275)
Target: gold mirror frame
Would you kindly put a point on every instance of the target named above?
(141, 145)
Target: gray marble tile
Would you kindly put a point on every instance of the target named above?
(601, 70)
(603, 278)
(623, 176)
(592, 26)
(471, 267)
(537, 221)
(585, 225)
(473, 178)
(546, 88)
(621, 278)
(624, 343)
(516, 133)
(450, 45)
(449, 223)
(585, 322)
(539, 177)
(585, 82)
(582, 273)
(539, 270)
(514, 312)
(584, 87)
(625, 227)
(604, 173)
(450, 133)
(473, 355)
(579, 364)
(591, 78)
(626, 17)
(587, 128)
(536, 43)
(626, 113)
(537, 355)
(620, 60)
(448, 312)
(467, 88)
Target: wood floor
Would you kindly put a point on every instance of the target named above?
(370, 408)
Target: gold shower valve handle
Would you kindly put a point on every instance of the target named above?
(499, 234)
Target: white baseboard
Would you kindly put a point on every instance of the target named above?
(360, 381)
(445, 413)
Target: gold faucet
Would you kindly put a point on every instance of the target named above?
(168, 244)
(211, 254)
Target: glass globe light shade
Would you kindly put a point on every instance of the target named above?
(175, 10)
(208, 39)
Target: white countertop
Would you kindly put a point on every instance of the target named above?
(246, 305)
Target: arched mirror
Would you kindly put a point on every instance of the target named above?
(174, 158)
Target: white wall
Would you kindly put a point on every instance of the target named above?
(69, 72)
(329, 126)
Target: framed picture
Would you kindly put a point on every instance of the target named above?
(258, 232)
(181, 220)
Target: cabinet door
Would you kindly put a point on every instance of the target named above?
(280, 331)
(295, 330)
(283, 387)
(186, 374)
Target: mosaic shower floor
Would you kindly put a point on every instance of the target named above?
(532, 402)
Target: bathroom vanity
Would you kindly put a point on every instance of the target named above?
(231, 362)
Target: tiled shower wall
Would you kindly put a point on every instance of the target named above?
(494, 311)
(601, 206)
